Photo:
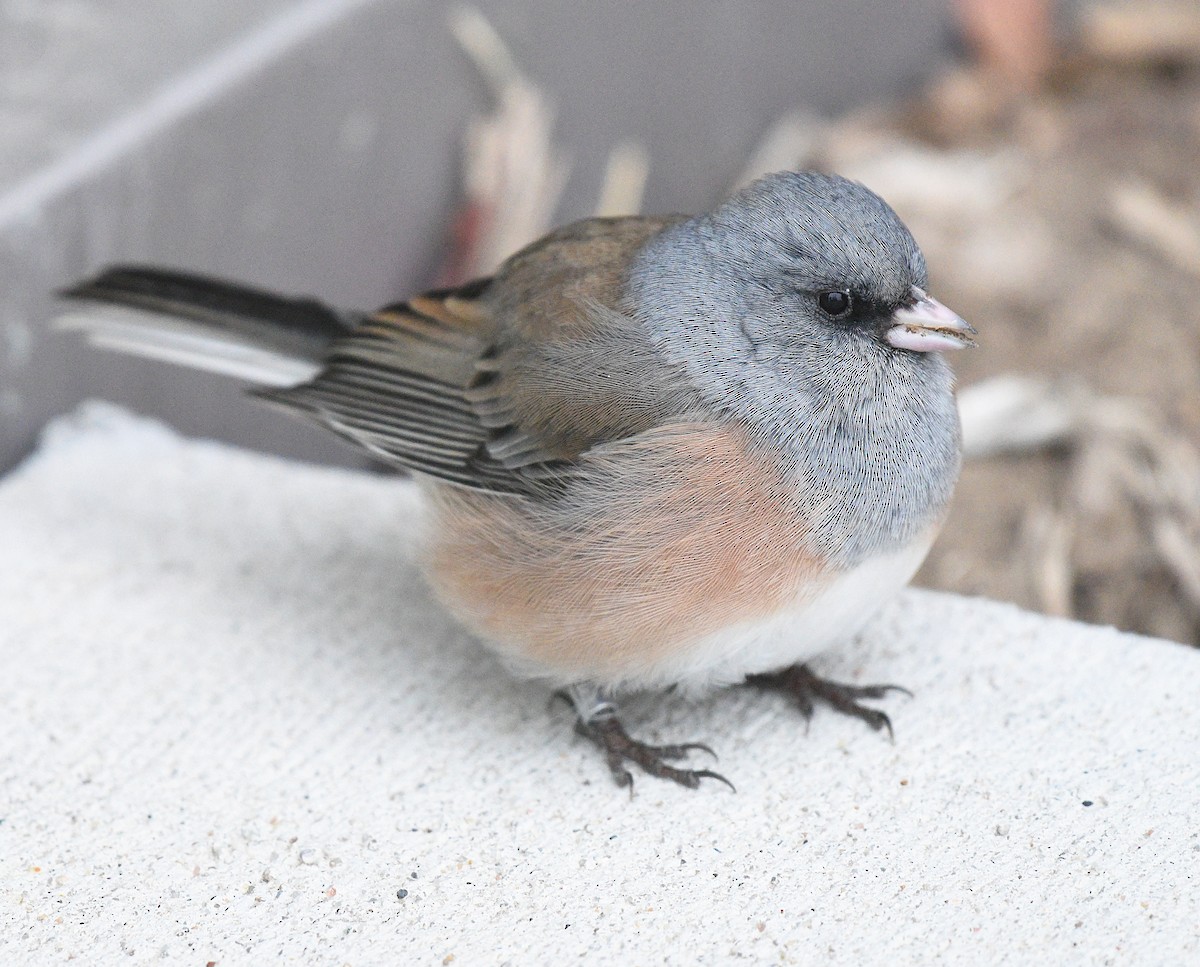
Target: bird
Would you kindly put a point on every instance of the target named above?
(656, 452)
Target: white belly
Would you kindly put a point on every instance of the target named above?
(812, 624)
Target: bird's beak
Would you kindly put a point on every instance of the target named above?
(927, 326)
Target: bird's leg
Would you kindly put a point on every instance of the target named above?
(806, 688)
(596, 719)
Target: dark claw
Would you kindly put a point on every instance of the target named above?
(681, 751)
(804, 686)
(877, 720)
(709, 774)
(869, 691)
(803, 703)
(619, 747)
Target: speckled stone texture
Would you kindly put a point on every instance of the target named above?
(234, 727)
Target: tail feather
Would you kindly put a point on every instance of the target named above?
(205, 323)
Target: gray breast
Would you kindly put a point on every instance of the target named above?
(869, 435)
(875, 450)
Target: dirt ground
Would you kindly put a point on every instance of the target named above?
(1065, 225)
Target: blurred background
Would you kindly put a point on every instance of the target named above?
(1043, 154)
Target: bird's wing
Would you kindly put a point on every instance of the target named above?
(501, 384)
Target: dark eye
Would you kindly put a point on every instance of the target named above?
(834, 302)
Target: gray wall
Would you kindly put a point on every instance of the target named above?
(314, 147)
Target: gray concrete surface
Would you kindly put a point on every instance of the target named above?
(313, 145)
(234, 728)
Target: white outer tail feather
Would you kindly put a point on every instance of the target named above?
(175, 340)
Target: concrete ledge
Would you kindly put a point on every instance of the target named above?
(234, 728)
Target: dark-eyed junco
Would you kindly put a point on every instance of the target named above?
(656, 451)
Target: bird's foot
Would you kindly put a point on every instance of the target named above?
(807, 688)
(619, 748)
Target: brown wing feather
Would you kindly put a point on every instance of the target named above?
(396, 386)
(498, 385)
(572, 370)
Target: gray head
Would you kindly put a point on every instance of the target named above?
(800, 261)
(798, 307)
(802, 235)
